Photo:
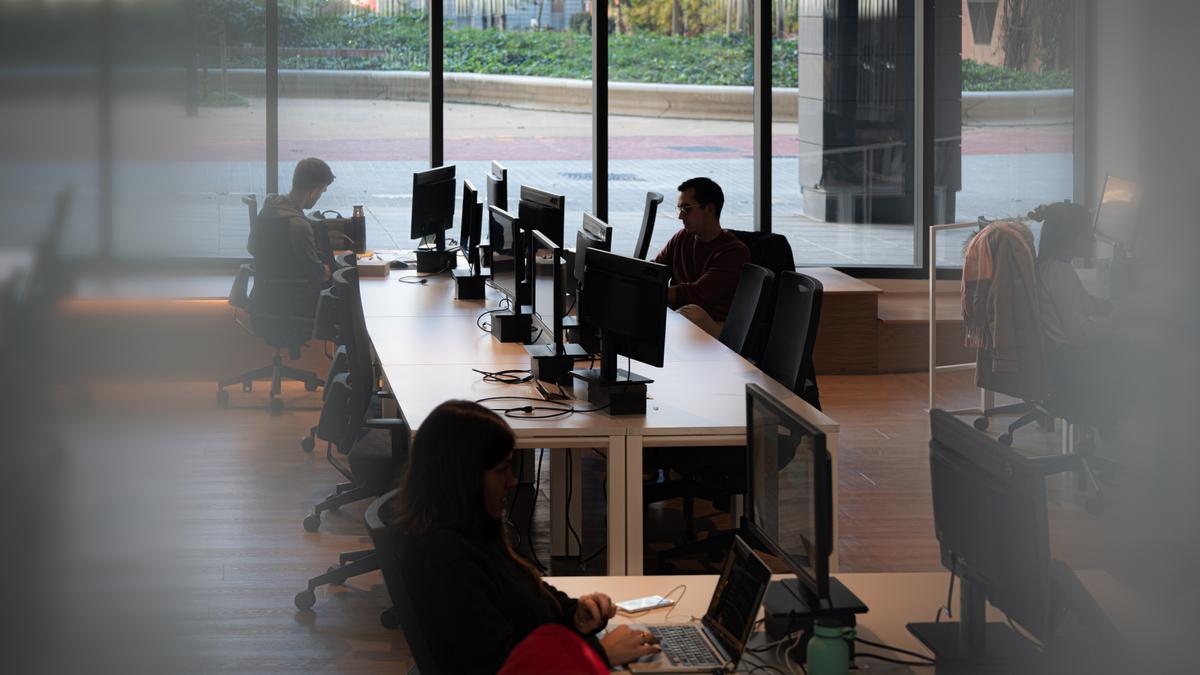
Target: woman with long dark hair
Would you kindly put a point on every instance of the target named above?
(475, 598)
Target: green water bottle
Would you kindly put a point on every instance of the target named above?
(829, 650)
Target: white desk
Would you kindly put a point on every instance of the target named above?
(427, 342)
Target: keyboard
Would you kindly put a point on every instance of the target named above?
(684, 645)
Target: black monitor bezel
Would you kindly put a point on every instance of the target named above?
(539, 241)
(592, 233)
(816, 580)
(519, 253)
(424, 183)
(543, 211)
(469, 197)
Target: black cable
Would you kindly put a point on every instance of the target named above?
(880, 645)
(552, 411)
(604, 487)
(868, 655)
(949, 593)
(413, 280)
(537, 487)
(513, 376)
(507, 516)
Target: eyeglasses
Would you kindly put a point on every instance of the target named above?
(682, 209)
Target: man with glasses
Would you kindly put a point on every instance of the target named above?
(705, 260)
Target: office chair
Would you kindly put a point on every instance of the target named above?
(1041, 400)
(720, 475)
(746, 311)
(373, 466)
(266, 309)
(402, 614)
(642, 248)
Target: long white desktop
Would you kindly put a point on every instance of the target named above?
(427, 344)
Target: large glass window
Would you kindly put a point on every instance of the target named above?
(1013, 126)
(843, 156)
(518, 91)
(681, 78)
(354, 91)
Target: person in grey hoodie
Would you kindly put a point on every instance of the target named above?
(282, 241)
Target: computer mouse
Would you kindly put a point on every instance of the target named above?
(398, 265)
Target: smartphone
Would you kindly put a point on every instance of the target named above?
(638, 605)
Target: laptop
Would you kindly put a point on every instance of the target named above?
(716, 642)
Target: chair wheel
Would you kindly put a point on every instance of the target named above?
(305, 600)
(311, 385)
(312, 522)
(276, 406)
(389, 619)
(1005, 439)
(222, 398)
(981, 423)
(308, 443)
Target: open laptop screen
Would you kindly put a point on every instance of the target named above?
(735, 603)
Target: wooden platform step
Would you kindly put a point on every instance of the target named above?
(904, 332)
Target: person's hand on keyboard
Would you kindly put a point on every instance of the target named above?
(626, 645)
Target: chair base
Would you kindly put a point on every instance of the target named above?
(276, 372)
(350, 564)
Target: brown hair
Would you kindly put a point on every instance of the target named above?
(310, 174)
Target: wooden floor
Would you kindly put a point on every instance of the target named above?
(177, 542)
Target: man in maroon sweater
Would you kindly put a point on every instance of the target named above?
(705, 260)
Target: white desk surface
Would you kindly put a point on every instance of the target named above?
(427, 344)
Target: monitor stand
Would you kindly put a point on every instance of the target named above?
(438, 259)
(972, 644)
(553, 363)
(510, 327)
(620, 392)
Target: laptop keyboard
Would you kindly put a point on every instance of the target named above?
(684, 645)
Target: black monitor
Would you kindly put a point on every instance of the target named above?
(497, 195)
(542, 211)
(626, 300)
(1116, 215)
(593, 233)
(789, 491)
(433, 204)
(545, 263)
(989, 516)
(470, 196)
(508, 269)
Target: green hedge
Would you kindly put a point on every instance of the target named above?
(647, 57)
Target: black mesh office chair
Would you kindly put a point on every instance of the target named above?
(402, 614)
(720, 474)
(747, 310)
(373, 464)
(267, 309)
(642, 248)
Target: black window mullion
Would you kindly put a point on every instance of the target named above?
(437, 49)
(600, 110)
(762, 116)
(272, 85)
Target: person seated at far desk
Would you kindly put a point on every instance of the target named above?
(282, 240)
(475, 598)
(1078, 337)
(705, 260)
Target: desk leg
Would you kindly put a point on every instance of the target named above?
(634, 534)
(562, 542)
(617, 507)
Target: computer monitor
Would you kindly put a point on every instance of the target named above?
(433, 204)
(989, 516)
(592, 233)
(497, 195)
(546, 279)
(789, 491)
(508, 267)
(542, 211)
(1116, 215)
(470, 196)
(626, 300)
